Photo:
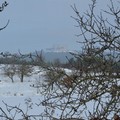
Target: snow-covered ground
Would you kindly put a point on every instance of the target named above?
(15, 94)
(9, 89)
(18, 89)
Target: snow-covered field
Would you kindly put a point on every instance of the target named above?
(18, 89)
(17, 93)
(9, 89)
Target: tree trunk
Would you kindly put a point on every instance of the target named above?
(12, 80)
(22, 77)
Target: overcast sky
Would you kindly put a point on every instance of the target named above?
(40, 24)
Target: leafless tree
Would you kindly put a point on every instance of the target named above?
(4, 4)
(96, 80)
(10, 71)
(24, 70)
(17, 113)
(92, 90)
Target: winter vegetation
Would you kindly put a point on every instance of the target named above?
(86, 87)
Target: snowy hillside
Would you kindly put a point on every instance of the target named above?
(26, 89)
(17, 93)
(7, 88)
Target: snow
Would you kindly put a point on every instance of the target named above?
(9, 89)
(16, 89)
(15, 94)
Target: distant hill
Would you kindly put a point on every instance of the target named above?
(51, 56)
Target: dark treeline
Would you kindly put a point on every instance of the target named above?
(77, 62)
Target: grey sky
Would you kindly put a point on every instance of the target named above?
(40, 24)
